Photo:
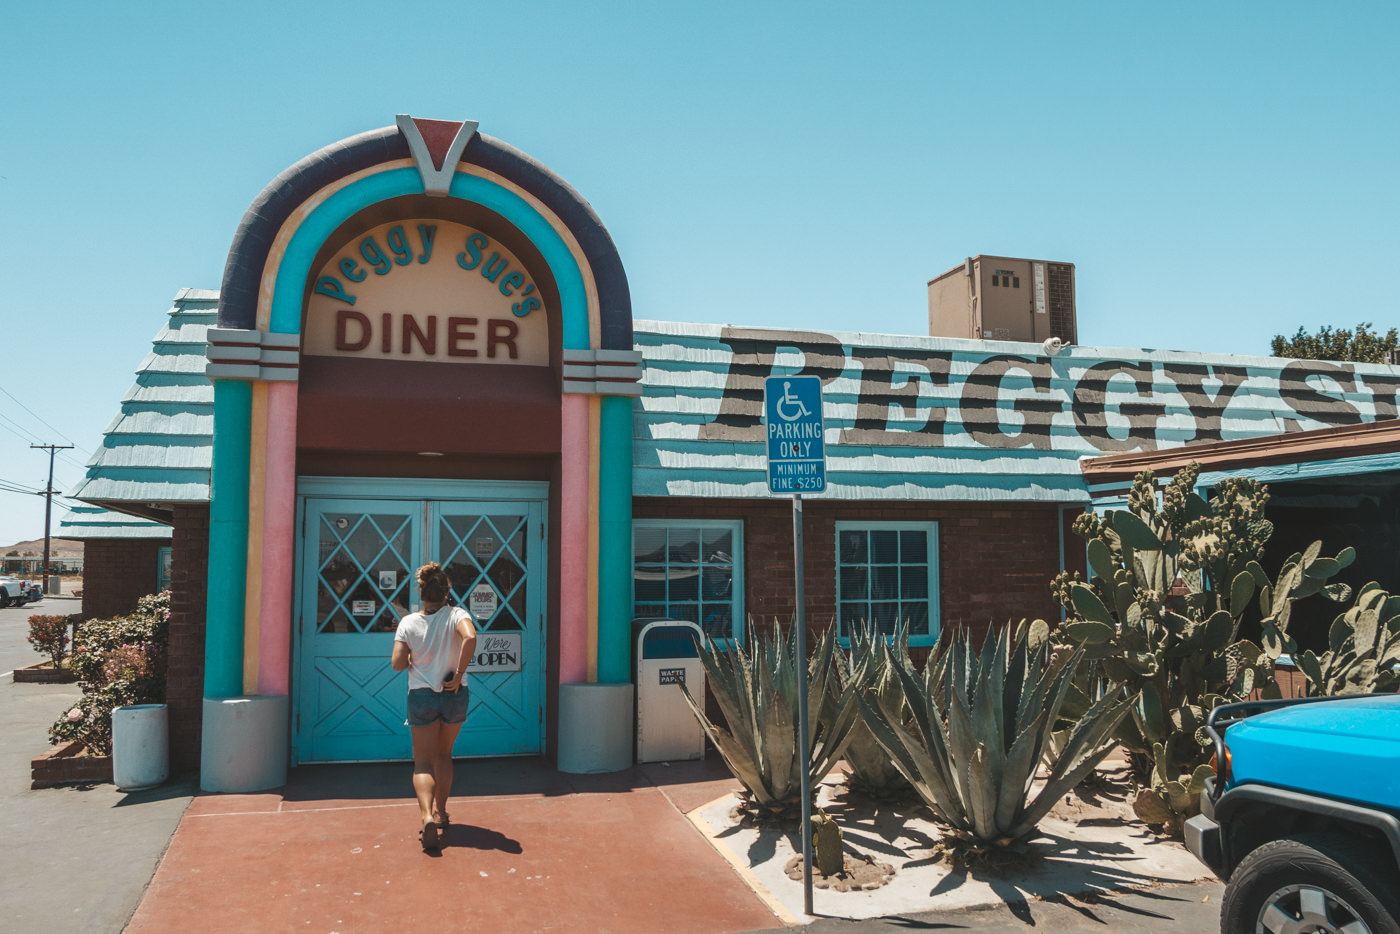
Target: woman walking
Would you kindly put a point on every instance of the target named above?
(435, 645)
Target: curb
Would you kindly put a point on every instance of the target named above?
(63, 765)
(741, 866)
(44, 673)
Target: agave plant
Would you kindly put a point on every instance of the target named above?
(981, 725)
(758, 694)
(870, 770)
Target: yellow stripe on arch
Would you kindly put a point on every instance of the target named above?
(257, 489)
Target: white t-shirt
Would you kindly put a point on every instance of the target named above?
(433, 644)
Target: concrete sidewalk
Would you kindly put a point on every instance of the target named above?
(530, 849)
(74, 859)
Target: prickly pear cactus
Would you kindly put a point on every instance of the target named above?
(1170, 580)
(827, 853)
(1363, 648)
(1170, 802)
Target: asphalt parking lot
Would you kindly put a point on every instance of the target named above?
(15, 652)
(75, 859)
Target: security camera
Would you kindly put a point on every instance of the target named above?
(1053, 345)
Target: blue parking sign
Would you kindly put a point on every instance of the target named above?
(796, 450)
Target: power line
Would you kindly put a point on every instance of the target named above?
(73, 463)
(71, 442)
(29, 435)
(28, 438)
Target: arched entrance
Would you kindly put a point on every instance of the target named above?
(424, 353)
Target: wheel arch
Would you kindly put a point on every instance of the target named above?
(1252, 815)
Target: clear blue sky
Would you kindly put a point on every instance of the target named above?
(1218, 172)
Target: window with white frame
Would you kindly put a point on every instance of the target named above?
(887, 574)
(691, 570)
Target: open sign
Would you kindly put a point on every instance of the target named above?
(496, 652)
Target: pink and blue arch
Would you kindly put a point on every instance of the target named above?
(253, 361)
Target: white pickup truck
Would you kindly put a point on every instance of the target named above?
(15, 592)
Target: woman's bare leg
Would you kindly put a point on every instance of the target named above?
(425, 749)
(442, 769)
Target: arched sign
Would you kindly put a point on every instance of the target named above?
(427, 290)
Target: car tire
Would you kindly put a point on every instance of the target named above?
(1322, 880)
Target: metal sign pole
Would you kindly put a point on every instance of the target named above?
(792, 413)
(804, 753)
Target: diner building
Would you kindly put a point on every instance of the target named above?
(424, 349)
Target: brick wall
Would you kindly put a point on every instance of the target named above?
(995, 559)
(117, 573)
(185, 674)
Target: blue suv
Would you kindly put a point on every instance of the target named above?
(1303, 818)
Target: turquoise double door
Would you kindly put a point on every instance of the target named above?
(360, 545)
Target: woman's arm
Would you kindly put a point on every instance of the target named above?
(400, 659)
(467, 631)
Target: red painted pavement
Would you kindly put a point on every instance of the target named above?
(529, 849)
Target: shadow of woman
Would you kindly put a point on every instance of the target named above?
(479, 838)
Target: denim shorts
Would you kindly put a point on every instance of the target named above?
(426, 706)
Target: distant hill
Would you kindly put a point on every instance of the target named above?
(58, 548)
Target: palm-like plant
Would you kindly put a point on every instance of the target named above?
(981, 725)
(758, 695)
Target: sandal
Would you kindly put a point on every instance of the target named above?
(429, 837)
(442, 821)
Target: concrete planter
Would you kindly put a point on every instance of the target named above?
(140, 746)
(595, 727)
(66, 765)
(244, 743)
(44, 673)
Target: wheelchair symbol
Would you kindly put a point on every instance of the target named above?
(788, 399)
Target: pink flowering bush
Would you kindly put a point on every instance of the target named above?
(118, 661)
(49, 636)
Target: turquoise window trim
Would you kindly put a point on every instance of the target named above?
(736, 587)
(164, 556)
(295, 267)
(934, 595)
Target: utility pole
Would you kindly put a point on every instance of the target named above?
(48, 495)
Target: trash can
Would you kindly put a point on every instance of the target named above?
(140, 746)
(666, 658)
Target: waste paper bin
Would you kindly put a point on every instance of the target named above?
(140, 746)
(666, 658)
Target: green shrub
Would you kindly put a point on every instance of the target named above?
(118, 661)
(49, 636)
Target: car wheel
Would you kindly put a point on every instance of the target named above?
(1314, 883)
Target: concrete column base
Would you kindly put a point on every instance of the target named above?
(595, 728)
(245, 744)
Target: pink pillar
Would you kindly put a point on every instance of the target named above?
(279, 542)
(573, 541)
